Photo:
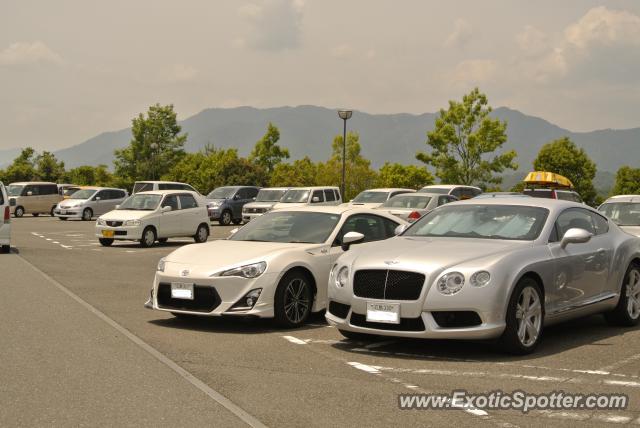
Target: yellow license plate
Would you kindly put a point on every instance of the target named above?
(108, 233)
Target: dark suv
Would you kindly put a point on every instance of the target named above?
(563, 194)
(225, 203)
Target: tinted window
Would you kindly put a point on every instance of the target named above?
(188, 201)
(443, 200)
(600, 223)
(35, 190)
(574, 218)
(329, 196)
(373, 228)
(337, 192)
(222, 193)
(468, 193)
(317, 194)
(457, 192)
(565, 196)
(253, 192)
(170, 201)
(539, 193)
(103, 195)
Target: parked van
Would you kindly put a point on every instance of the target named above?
(34, 198)
(318, 195)
(89, 202)
(5, 220)
(147, 186)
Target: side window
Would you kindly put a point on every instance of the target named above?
(317, 194)
(329, 196)
(468, 193)
(187, 202)
(601, 224)
(565, 196)
(553, 237)
(373, 227)
(337, 193)
(443, 200)
(164, 186)
(457, 192)
(253, 192)
(577, 198)
(103, 195)
(120, 194)
(170, 201)
(35, 190)
(243, 194)
(574, 218)
(53, 189)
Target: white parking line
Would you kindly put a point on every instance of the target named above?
(363, 367)
(295, 340)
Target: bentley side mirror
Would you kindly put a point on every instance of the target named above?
(575, 236)
(351, 238)
(400, 229)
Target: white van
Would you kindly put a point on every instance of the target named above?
(148, 186)
(5, 220)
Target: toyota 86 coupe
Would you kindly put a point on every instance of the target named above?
(276, 266)
(498, 268)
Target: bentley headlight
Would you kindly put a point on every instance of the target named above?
(480, 278)
(342, 278)
(132, 223)
(451, 283)
(161, 264)
(101, 222)
(249, 271)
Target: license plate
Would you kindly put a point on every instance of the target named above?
(383, 312)
(108, 233)
(181, 290)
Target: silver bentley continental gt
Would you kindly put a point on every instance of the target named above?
(489, 269)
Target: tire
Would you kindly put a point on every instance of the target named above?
(63, 218)
(35, 214)
(163, 240)
(225, 218)
(293, 300)
(87, 214)
(6, 249)
(237, 221)
(19, 212)
(627, 311)
(105, 242)
(148, 237)
(53, 208)
(352, 335)
(202, 234)
(522, 333)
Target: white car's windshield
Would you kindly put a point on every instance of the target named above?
(482, 221)
(83, 194)
(141, 202)
(221, 193)
(14, 190)
(290, 227)
(266, 195)
(407, 201)
(295, 195)
(371, 197)
(622, 213)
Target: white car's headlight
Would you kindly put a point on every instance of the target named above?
(161, 264)
(101, 222)
(132, 223)
(342, 277)
(249, 271)
(450, 283)
(480, 278)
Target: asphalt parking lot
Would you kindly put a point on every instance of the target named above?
(78, 348)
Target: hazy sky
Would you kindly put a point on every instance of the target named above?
(72, 69)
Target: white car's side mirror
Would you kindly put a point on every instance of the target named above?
(350, 238)
(166, 209)
(575, 236)
(98, 198)
(401, 228)
(29, 193)
(315, 200)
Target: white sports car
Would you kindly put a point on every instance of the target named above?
(275, 266)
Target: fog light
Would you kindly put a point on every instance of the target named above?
(247, 302)
(252, 297)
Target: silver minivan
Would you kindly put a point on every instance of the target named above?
(89, 202)
(5, 220)
(316, 195)
(34, 197)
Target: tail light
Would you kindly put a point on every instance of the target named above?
(415, 215)
(554, 195)
(7, 215)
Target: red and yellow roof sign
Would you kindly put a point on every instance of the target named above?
(543, 178)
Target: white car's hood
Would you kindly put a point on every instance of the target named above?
(429, 254)
(125, 215)
(224, 253)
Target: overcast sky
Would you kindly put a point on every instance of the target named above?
(72, 69)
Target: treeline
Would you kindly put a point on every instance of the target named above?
(465, 147)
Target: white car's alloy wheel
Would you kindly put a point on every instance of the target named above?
(296, 302)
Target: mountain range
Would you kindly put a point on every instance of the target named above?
(309, 131)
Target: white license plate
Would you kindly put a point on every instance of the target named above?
(383, 312)
(181, 290)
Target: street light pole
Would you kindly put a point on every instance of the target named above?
(344, 115)
(153, 147)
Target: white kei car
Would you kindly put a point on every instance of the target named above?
(276, 266)
(153, 216)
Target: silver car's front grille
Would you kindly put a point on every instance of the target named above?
(388, 284)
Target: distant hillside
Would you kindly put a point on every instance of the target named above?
(309, 130)
(7, 156)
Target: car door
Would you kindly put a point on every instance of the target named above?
(170, 220)
(99, 202)
(34, 199)
(191, 215)
(581, 270)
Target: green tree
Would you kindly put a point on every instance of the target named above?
(89, 175)
(406, 176)
(48, 168)
(359, 175)
(155, 148)
(267, 153)
(22, 168)
(563, 157)
(302, 172)
(627, 181)
(464, 143)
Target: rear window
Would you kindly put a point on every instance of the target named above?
(539, 193)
